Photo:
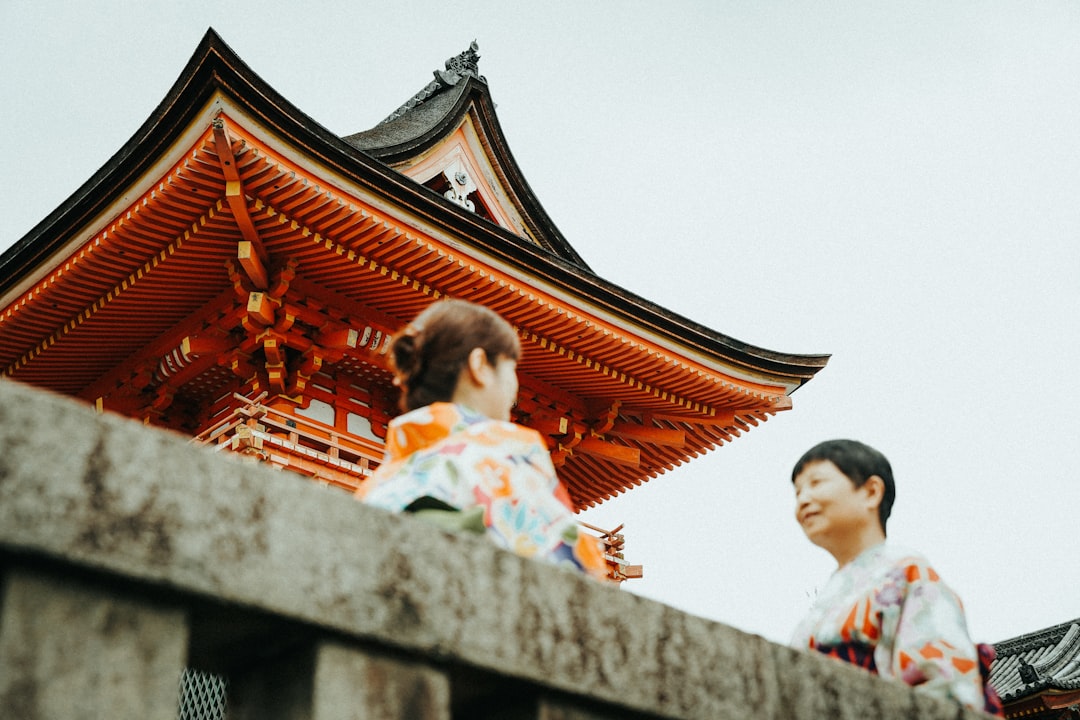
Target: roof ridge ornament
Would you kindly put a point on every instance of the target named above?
(465, 64)
(1028, 673)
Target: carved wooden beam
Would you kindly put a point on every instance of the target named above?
(782, 403)
(556, 426)
(241, 365)
(609, 451)
(648, 434)
(605, 414)
(310, 363)
(253, 265)
(260, 307)
(251, 253)
(283, 279)
(338, 339)
(276, 372)
(183, 362)
(722, 418)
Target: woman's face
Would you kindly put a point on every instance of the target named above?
(489, 388)
(830, 509)
(504, 388)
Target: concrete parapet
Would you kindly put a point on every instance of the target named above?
(127, 546)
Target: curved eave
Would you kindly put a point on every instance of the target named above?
(216, 68)
(472, 94)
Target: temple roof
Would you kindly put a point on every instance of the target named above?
(434, 112)
(1048, 659)
(145, 254)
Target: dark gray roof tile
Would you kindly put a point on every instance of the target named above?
(414, 123)
(1046, 659)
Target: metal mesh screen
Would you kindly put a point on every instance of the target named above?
(202, 695)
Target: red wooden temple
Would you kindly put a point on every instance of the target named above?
(234, 273)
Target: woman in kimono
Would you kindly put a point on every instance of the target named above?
(455, 458)
(885, 608)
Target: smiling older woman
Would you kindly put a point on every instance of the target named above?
(885, 608)
(455, 458)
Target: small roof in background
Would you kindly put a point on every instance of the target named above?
(1044, 660)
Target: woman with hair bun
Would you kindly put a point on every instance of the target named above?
(455, 458)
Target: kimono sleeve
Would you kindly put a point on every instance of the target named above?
(527, 509)
(930, 645)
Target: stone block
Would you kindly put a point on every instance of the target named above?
(72, 651)
(106, 494)
(331, 680)
(355, 684)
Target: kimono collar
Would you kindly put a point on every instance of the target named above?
(425, 426)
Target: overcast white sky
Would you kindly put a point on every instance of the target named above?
(897, 184)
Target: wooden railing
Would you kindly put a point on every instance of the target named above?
(313, 449)
(291, 441)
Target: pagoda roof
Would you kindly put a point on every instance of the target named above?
(104, 285)
(1048, 659)
(431, 114)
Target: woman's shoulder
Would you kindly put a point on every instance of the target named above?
(901, 554)
(498, 431)
(905, 563)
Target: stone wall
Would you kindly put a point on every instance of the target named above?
(128, 554)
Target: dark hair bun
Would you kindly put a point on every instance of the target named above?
(427, 355)
(406, 357)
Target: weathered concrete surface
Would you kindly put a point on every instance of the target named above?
(109, 494)
(71, 651)
(352, 685)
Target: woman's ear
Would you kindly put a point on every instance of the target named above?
(874, 488)
(478, 367)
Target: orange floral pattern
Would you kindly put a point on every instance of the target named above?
(889, 612)
(463, 460)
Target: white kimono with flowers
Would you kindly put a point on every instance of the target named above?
(889, 612)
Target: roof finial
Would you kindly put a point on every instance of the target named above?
(457, 67)
(466, 63)
(1028, 673)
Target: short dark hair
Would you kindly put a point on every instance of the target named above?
(427, 356)
(858, 462)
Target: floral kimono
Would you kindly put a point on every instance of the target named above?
(889, 612)
(447, 461)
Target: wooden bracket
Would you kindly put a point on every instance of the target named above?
(606, 414)
(620, 454)
(251, 252)
(550, 425)
(260, 307)
(649, 434)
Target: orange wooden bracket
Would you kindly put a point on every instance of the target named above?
(783, 402)
(609, 451)
(311, 361)
(550, 425)
(252, 264)
(274, 351)
(605, 415)
(649, 434)
(260, 308)
(252, 257)
(339, 339)
(275, 374)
